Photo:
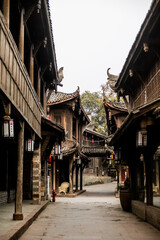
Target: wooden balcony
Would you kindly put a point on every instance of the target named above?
(15, 82)
(95, 150)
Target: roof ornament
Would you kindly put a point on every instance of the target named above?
(145, 47)
(30, 10)
(38, 6)
(60, 74)
(112, 79)
(130, 72)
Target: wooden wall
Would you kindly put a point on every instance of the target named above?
(15, 82)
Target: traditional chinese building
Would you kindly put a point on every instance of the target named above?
(116, 112)
(95, 148)
(138, 137)
(66, 109)
(27, 68)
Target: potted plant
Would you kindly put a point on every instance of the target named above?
(126, 195)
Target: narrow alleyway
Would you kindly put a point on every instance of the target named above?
(96, 214)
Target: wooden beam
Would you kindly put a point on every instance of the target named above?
(6, 11)
(21, 35)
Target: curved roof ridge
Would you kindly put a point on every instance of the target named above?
(119, 105)
(61, 96)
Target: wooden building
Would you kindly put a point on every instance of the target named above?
(116, 113)
(27, 68)
(94, 146)
(66, 109)
(138, 137)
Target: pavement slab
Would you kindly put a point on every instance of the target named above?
(95, 214)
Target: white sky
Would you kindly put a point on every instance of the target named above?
(93, 35)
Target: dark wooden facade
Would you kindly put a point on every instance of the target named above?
(95, 147)
(66, 109)
(138, 136)
(116, 113)
(27, 69)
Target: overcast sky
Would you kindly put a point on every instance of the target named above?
(93, 35)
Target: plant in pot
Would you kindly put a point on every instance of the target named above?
(126, 195)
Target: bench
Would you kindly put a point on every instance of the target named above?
(64, 187)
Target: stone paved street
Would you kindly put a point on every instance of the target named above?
(96, 214)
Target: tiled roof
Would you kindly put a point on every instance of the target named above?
(117, 105)
(57, 97)
(94, 133)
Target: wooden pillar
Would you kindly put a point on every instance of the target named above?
(31, 66)
(8, 178)
(70, 176)
(132, 172)
(54, 175)
(37, 174)
(6, 11)
(43, 179)
(81, 177)
(149, 188)
(77, 170)
(148, 157)
(39, 84)
(19, 189)
(44, 98)
(71, 131)
(21, 35)
(77, 130)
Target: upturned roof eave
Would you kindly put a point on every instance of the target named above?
(111, 105)
(133, 115)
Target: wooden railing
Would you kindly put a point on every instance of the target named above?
(15, 82)
(93, 150)
(151, 90)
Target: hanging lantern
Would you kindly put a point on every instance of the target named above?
(92, 139)
(57, 149)
(117, 156)
(60, 156)
(50, 158)
(30, 145)
(8, 127)
(141, 139)
(78, 160)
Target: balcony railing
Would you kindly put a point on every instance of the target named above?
(98, 150)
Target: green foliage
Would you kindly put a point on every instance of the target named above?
(93, 105)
